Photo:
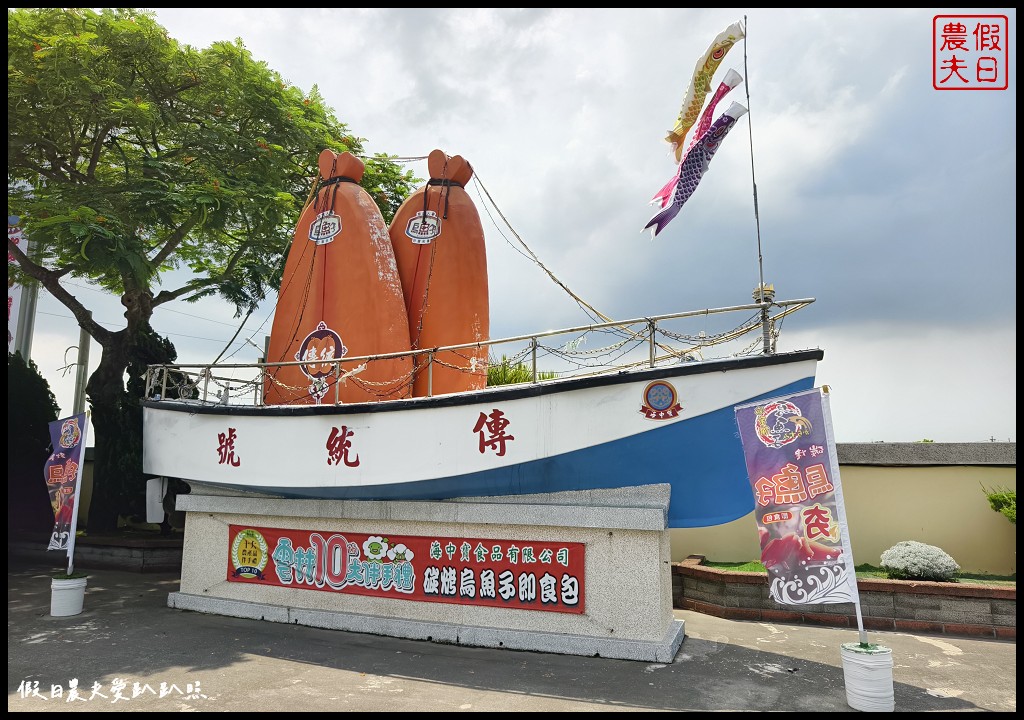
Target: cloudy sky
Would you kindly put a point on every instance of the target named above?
(889, 202)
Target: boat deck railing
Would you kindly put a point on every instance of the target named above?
(644, 342)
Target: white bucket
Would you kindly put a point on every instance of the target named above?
(868, 675)
(67, 596)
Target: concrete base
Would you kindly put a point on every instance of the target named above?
(627, 569)
(663, 651)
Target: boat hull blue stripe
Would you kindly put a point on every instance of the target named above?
(701, 458)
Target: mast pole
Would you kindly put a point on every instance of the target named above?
(761, 293)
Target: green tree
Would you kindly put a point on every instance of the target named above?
(31, 407)
(1002, 500)
(130, 155)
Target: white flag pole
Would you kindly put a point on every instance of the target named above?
(867, 668)
(844, 532)
(78, 494)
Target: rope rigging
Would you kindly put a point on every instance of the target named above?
(670, 344)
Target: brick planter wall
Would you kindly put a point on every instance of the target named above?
(961, 609)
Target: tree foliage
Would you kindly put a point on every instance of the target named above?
(1003, 500)
(131, 155)
(31, 407)
(507, 372)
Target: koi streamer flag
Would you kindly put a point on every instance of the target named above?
(694, 165)
(700, 85)
(793, 468)
(732, 79)
(63, 474)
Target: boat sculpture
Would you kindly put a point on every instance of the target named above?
(345, 414)
(442, 260)
(542, 490)
(340, 294)
(664, 421)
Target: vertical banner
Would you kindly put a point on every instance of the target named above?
(14, 291)
(63, 475)
(793, 469)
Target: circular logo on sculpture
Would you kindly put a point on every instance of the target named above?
(249, 554)
(318, 351)
(423, 227)
(660, 401)
(323, 345)
(325, 227)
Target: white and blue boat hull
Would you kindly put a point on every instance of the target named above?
(672, 425)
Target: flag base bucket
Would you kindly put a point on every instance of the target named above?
(67, 596)
(867, 671)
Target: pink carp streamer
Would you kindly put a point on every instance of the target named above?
(700, 85)
(694, 165)
(732, 79)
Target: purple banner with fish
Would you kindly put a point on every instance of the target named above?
(791, 462)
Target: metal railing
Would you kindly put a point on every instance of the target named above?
(178, 377)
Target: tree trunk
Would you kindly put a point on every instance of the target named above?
(106, 394)
(118, 480)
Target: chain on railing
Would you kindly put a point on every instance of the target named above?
(178, 380)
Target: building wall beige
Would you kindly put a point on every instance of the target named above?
(938, 505)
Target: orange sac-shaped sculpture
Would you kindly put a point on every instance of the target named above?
(340, 296)
(439, 247)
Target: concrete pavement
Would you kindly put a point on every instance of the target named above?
(141, 656)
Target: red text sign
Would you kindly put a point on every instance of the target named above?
(467, 571)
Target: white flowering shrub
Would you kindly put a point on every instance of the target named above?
(912, 560)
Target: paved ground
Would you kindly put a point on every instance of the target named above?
(128, 641)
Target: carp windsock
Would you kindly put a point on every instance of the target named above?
(695, 164)
(700, 85)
